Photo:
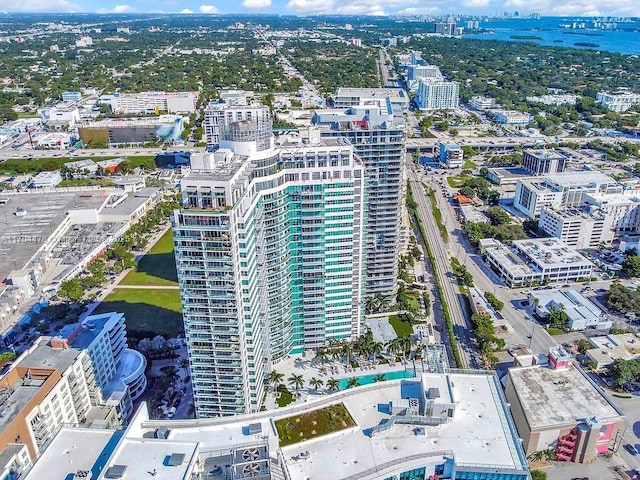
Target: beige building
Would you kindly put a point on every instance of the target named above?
(556, 406)
(608, 348)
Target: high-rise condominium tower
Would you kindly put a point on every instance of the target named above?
(376, 128)
(270, 254)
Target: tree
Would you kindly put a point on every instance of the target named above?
(379, 378)
(495, 302)
(274, 378)
(353, 382)
(557, 317)
(631, 265)
(538, 475)
(623, 371)
(297, 381)
(71, 290)
(582, 344)
(316, 383)
(498, 216)
(333, 384)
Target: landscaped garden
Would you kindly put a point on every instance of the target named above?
(316, 423)
(157, 267)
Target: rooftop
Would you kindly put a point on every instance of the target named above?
(610, 347)
(556, 397)
(549, 252)
(580, 178)
(546, 154)
(72, 450)
(576, 305)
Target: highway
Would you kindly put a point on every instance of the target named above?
(462, 328)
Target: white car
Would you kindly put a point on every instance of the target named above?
(171, 412)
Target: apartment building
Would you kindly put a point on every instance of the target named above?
(270, 257)
(618, 102)
(145, 103)
(482, 103)
(218, 113)
(437, 94)
(377, 132)
(84, 376)
(416, 72)
(450, 155)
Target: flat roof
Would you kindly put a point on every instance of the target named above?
(608, 348)
(576, 305)
(71, 450)
(14, 399)
(579, 178)
(479, 432)
(21, 237)
(558, 397)
(140, 456)
(550, 252)
(41, 354)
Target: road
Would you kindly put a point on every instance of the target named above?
(26, 152)
(387, 79)
(464, 339)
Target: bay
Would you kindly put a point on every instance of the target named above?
(548, 31)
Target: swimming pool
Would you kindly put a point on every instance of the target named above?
(367, 379)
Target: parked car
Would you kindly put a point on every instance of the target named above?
(171, 412)
(632, 449)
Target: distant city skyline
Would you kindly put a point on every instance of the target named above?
(583, 8)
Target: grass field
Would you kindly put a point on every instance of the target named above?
(158, 312)
(313, 424)
(456, 182)
(157, 267)
(468, 164)
(26, 165)
(402, 328)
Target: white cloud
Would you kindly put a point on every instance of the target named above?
(58, 6)
(475, 3)
(310, 6)
(117, 9)
(208, 9)
(588, 8)
(256, 4)
(361, 8)
(419, 11)
(186, 11)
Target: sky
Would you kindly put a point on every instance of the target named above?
(340, 7)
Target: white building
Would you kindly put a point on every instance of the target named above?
(413, 428)
(151, 102)
(437, 94)
(566, 99)
(84, 42)
(82, 167)
(218, 114)
(46, 179)
(71, 96)
(577, 228)
(582, 313)
(61, 116)
(535, 261)
(482, 103)
(607, 349)
(416, 72)
(561, 190)
(511, 117)
(54, 141)
(235, 98)
(623, 209)
(542, 162)
(618, 102)
(450, 155)
(350, 97)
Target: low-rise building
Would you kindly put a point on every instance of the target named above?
(507, 175)
(151, 102)
(567, 99)
(618, 102)
(511, 117)
(71, 96)
(450, 155)
(425, 427)
(81, 167)
(576, 227)
(557, 406)
(482, 103)
(165, 128)
(607, 349)
(46, 179)
(581, 312)
(472, 214)
(535, 261)
(60, 117)
(54, 141)
(345, 97)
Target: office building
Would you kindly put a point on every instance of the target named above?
(561, 190)
(63, 116)
(578, 228)
(377, 132)
(557, 406)
(269, 250)
(535, 261)
(482, 103)
(437, 94)
(623, 209)
(581, 312)
(541, 162)
(415, 72)
(450, 155)
(153, 103)
(451, 425)
(71, 96)
(618, 102)
(46, 179)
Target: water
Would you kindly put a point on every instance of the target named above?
(624, 39)
(368, 379)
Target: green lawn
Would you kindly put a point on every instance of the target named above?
(33, 165)
(402, 328)
(455, 182)
(157, 267)
(148, 312)
(469, 164)
(555, 331)
(316, 423)
(285, 397)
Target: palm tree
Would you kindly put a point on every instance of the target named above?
(316, 383)
(379, 378)
(347, 350)
(333, 384)
(375, 349)
(322, 354)
(371, 304)
(352, 382)
(274, 378)
(296, 381)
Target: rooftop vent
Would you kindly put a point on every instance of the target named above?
(117, 471)
(176, 459)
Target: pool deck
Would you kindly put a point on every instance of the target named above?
(309, 368)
